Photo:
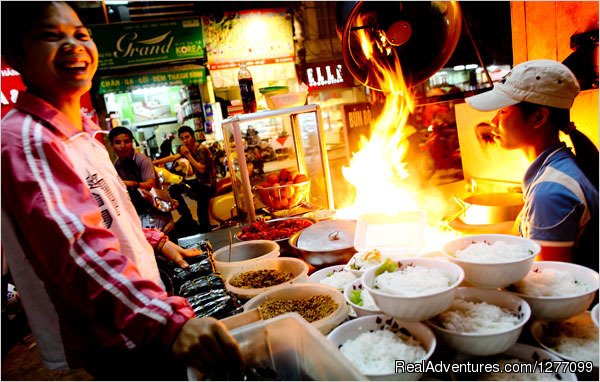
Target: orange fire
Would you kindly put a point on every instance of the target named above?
(378, 171)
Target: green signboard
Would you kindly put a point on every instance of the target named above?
(129, 44)
(175, 77)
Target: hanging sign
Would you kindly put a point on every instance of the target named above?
(129, 44)
(326, 75)
(254, 37)
(184, 75)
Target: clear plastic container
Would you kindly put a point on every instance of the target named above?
(294, 349)
(393, 235)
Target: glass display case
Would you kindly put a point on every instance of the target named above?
(277, 161)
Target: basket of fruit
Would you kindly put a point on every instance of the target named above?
(283, 190)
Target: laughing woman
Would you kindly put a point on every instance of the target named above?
(74, 244)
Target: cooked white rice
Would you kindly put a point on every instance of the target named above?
(413, 281)
(367, 300)
(578, 341)
(551, 282)
(517, 376)
(498, 252)
(477, 317)
(376, 352)
(339, 279)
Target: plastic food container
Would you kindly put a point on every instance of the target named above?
(243, 254)
(397, 236)
(296, 267)
(305, 290)
(293, 348)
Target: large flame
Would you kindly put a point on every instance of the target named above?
(378, 171)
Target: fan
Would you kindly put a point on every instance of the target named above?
(423, 35)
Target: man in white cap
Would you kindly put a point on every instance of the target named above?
(560, 189)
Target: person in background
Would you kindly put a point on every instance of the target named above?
(560, 189)
(202, 187)
(166, 147)
(83, 265)
(135, 169)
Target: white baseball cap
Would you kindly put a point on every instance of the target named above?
(542, 82)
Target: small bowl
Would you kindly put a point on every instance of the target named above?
(556, 308)
(305, 290)
(540, 328)
(481, 344)
(525, 353)
(282, 101)
(420, 307)
(352, 329)
(596, 314)
(274, 90)
(297, 268)
(359, 310)
(243, 254)
(323, 273)
(497, 274)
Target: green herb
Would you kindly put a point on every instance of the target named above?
(356, 297)
(353, 266)
(388, 266)
(329, 274)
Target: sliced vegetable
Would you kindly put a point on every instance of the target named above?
(388, 265)
(356, 297)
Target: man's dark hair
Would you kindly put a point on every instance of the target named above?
(185, 129)
(118, 130)
(18, 18)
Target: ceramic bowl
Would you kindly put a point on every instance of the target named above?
(352, 329)
(492, 274)
(416, 307)
(326, 273)
(488, 343)
(555, 308)
(360, 310)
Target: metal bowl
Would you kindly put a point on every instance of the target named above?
(326, 255)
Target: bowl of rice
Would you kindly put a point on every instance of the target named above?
(360, 300)
(575, 339)
(321, 305)
(334, 276)
(493, 260)
(264, 275)
(517, 354)
(374, 344)
(481, 321)
(413, 289)
(363, 260)
(556, 290)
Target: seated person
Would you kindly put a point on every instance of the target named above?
(135, 169)
(202, 187)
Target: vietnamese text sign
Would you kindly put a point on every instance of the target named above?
(119, 84)
(128, 44)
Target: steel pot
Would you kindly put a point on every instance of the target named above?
(326, 243)
(490, 208)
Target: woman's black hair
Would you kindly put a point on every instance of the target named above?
(586, 153)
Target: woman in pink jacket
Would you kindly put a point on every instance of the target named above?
(75, 247)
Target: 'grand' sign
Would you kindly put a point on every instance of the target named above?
(130, 44)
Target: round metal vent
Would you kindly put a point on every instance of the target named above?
(423, 35)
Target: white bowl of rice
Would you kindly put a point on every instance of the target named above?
(413, 289)
(556, 290)
(375, 343)
(334, 276)
(360, 300)
(481, 321)
(517, 354)
(493, 260)
(575, 339)
(596, 314)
